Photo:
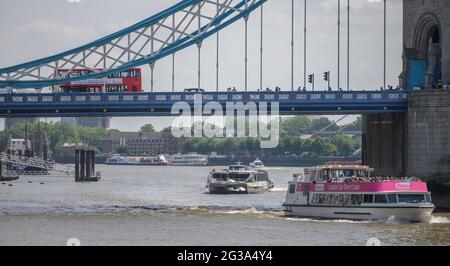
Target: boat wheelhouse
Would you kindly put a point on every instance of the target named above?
(257, 164)
(239, 179)
(338, 191)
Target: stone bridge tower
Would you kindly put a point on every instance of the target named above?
(426, 41)
(417, 142)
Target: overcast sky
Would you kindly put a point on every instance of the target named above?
(33, 29)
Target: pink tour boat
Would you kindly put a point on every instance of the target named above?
(339, 191)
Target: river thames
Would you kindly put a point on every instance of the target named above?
(145, 205)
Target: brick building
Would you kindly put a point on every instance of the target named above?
(139, 143)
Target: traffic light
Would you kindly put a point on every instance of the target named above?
(311, 80)
(326, 76)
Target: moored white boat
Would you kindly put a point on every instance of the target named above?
(348, 192)
(122, 160)
(192, 159)
(153, 160)
(127, 160)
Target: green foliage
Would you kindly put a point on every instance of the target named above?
(121, 149)
(290, 142)
(338, 146)
(302, 124)
(295, 125)
(58, 134)
(148, 128)
(322, 123)
(346, 145)
(355, 126)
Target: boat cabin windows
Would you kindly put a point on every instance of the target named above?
(392, 198)
(428, 198)
(234, 176)
(413, 198)
(262, 176)
(239, 176)
(237, 168)
(220, 176)
(358, 199)
(380, 198)
(335, 199)
(368, 198)
(292, 188)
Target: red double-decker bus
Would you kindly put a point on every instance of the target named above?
(125, 81)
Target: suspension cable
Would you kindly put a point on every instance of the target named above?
(304, 46)
(261, 50)
(339, 47)
(217, 54)
(173, 55)
(246, 47)
(292, 46)
(199, 46)
(348, 45)
(152, 64)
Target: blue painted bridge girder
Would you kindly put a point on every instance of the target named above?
(160, 103)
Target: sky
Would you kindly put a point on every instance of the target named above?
(32, 29)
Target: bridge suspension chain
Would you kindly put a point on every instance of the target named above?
(143, 43)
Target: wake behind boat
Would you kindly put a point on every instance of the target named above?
(349, 192)
(239, 179)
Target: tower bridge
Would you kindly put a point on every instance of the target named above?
(406, 132)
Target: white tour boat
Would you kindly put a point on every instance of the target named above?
(127, 160)
(122, 160)
(239, 178)
(191, 159)
(348, 192)
(153, 160)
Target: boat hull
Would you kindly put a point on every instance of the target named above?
(217, 188)
(380, 213)
(189, 164)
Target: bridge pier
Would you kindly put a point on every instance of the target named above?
(429, 133)
(384, 143)
(85, 166)
(416, 143)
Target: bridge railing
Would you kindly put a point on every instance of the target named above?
(172, 97)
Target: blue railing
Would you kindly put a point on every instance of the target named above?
(162, 97)
(160, 103)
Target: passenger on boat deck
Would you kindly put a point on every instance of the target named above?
(389, 178)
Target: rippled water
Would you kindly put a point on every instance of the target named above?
(146, 205)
